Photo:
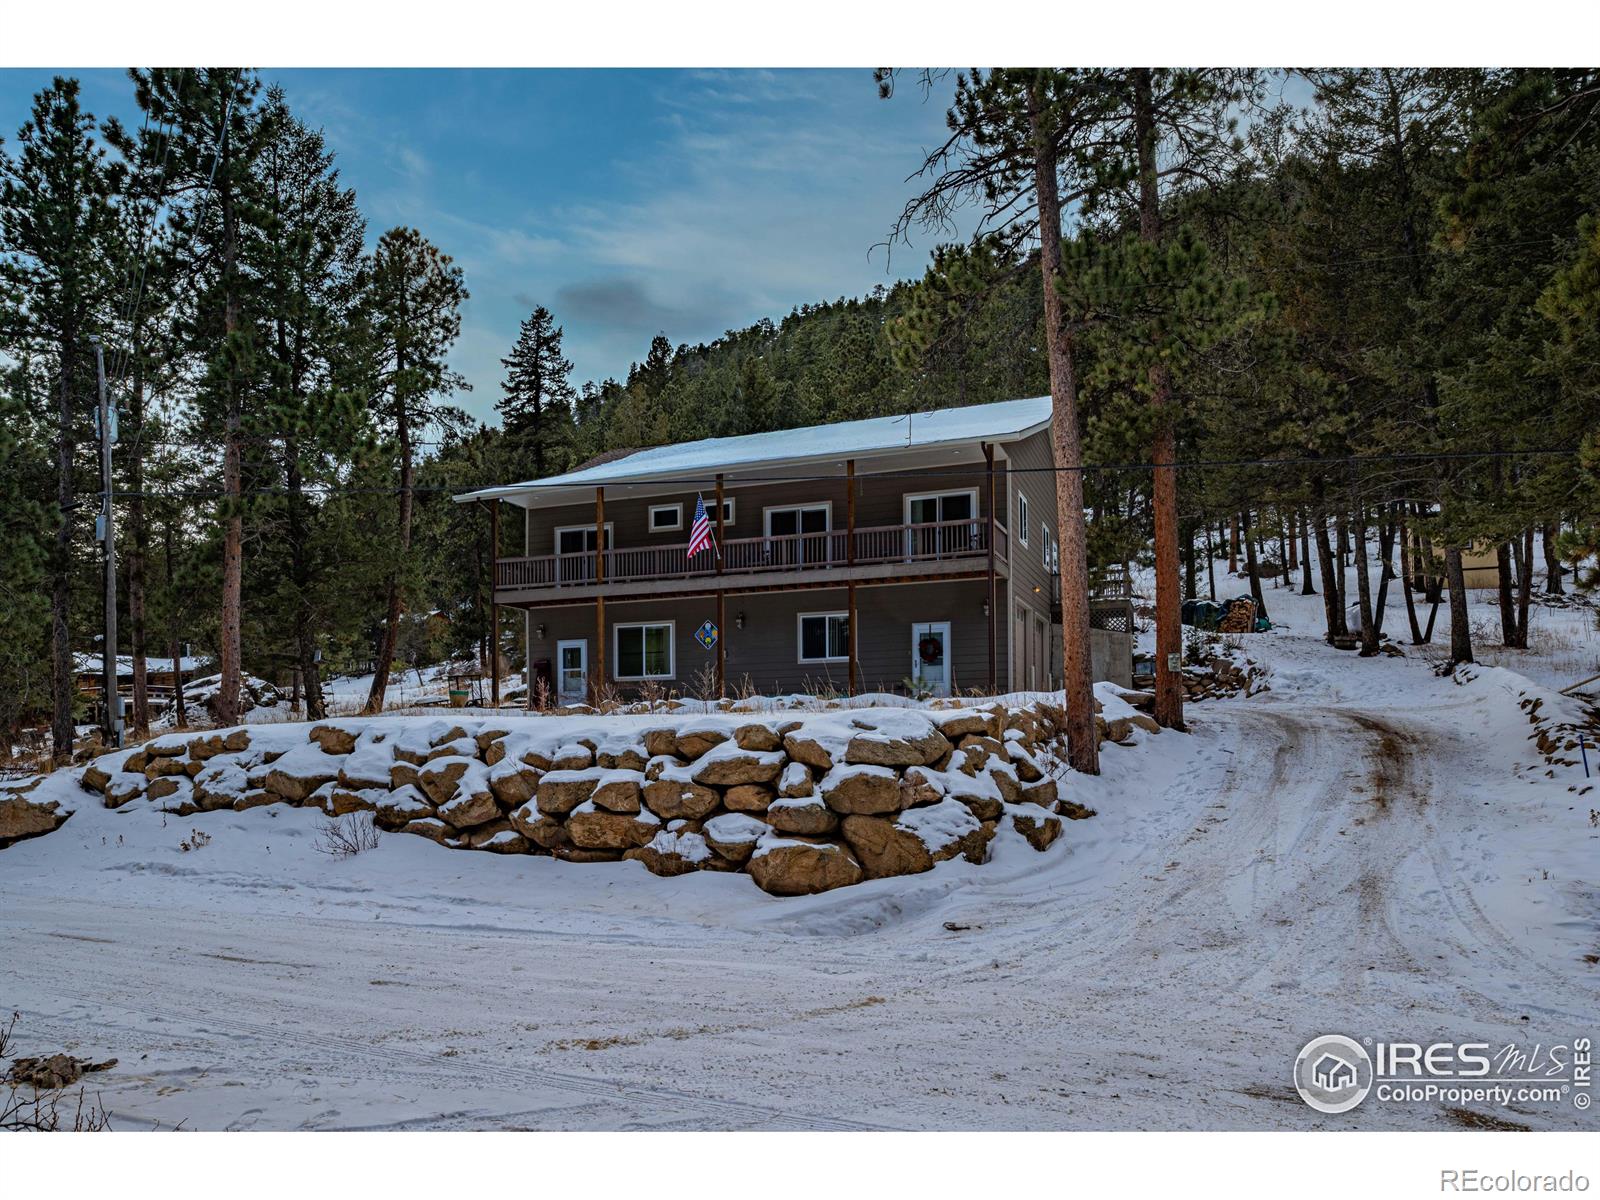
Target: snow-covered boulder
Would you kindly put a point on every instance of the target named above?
(672, 799)
(885, 848)
(24, 816)
(618, 790)
(591, 828)
(789, 867)
(897, 740)
(861, 788)
(734, 835)
(806, 815)
(1037, 825)
(672, 853)
(726, 765)
(301, 771)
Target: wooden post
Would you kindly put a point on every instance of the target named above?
(722, 629)
(850, 562)
(988, 462)
(600, 600)
(494, 609)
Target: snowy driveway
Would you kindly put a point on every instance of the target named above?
(1286, 871)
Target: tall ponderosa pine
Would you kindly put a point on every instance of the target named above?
(1014, 135)
(309, 247)
(536, 410)
(1167, 127)
(61, 249)
(214, 131)
(412, 308)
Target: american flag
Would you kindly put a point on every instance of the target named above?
(700, 532)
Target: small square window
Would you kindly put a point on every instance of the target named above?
(664, 518)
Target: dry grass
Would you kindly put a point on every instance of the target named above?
(26, 1109)
(347, 836)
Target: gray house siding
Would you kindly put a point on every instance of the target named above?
(766, 650)
(1036, 644)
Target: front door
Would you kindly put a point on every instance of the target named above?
(930, 656)
(572, 669)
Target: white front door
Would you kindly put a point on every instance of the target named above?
(930, 656)
(572, 669)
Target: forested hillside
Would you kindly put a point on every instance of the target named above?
(1378, 319)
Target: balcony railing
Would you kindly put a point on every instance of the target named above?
(911, 544)
(1108, 583)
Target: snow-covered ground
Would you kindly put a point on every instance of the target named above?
(1365, 848)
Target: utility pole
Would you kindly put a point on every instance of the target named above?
(108, 435)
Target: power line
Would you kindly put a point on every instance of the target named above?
(123, 356)
(907, 473)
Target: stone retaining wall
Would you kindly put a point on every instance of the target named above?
(801, 804)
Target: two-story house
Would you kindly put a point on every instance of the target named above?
(916, 551)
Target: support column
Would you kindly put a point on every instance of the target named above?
(850, 562)
(494, 609)
(988, 465)
(599, 601)
(722, 626)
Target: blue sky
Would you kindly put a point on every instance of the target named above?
(629, 202)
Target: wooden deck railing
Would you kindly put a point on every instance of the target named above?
(789, 552)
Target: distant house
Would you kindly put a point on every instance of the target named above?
(918, 550)
(1479, 567)
(90, 671)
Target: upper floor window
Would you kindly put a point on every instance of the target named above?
(799, 518)
(933, 508)
(1022, 518)
(664, 518)
(579, 539)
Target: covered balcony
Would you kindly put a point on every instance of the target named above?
(829, 558)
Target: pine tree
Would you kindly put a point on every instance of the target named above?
(309, 246)
(25, 660)
(206, 125)
(1014, 134)
(59, 237)
(412, 306)
(1167, 125)
(536, 410)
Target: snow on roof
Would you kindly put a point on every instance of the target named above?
(84, 663)
(1006, 420)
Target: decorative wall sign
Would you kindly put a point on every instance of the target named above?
(707, 635)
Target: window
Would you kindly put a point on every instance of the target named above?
(1022, 518)
(1052, 551)
(801, 518)
(933, 531)
(936, 507)
(665, 517)
(643, 651)
(727, 510)
(579, 539)
(785, 525)
(824, 637)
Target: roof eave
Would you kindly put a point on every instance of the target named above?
(555, 483)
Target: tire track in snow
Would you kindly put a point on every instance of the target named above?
(466, 1072)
